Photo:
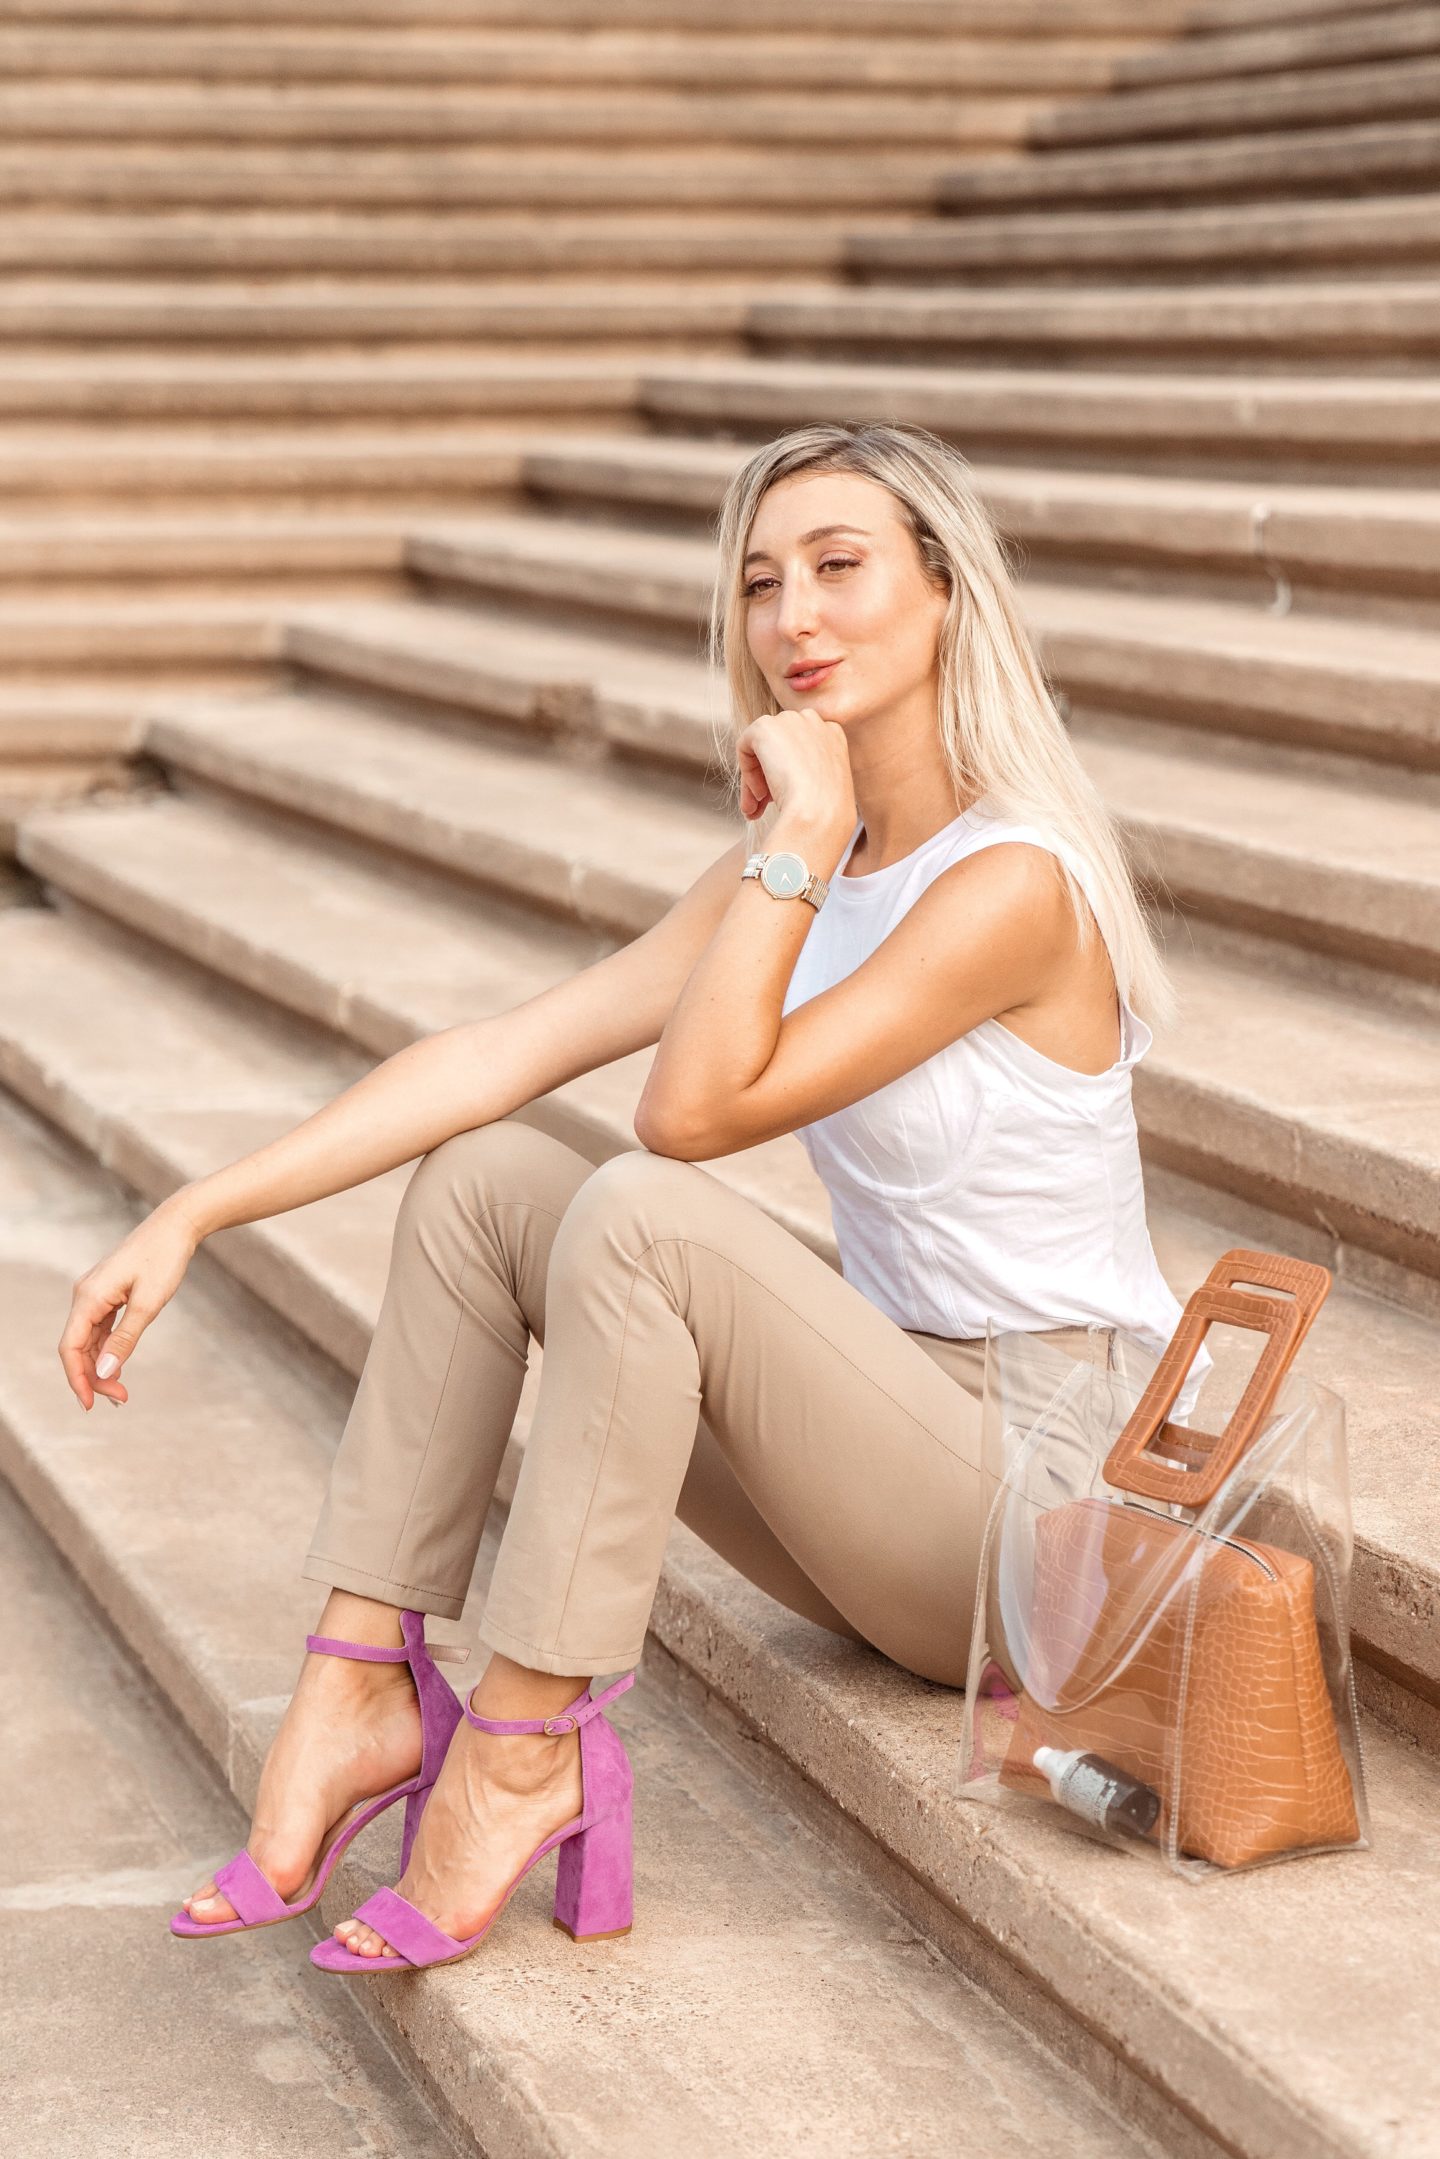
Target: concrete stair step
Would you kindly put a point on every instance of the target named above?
(1302, 428)
(145, 544)
(940, 20)
(118, 176)
(225, 243)
(1369, 689)
(1249, 2037)
(1328, 40)
(73, 470)
(585, 844)
(1395, 154)
(1183, 242)
(227, 891)
(668, 59)
(1316, 539)
(53, 722)
(1392, 324)
(95, 627)
(356, 312)
(299, 386)
(1404, 86)
(1294, 853)
(1338, 1137)
(634, 577)
(139, 1819)
(1317, 857)
(1207, 662)
(162, 115)
(548, 678)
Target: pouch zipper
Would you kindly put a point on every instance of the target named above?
(1138, 1506)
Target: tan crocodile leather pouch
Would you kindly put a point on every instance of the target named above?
(1200, 1675)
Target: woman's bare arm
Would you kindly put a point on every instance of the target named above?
(443, 1084)
(474, 1073)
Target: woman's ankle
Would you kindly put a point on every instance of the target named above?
(349, 1618)
(513, 1693)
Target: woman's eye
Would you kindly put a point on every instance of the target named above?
(831, 562)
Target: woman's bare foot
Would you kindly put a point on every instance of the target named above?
(352, 1730)
(498, 1795)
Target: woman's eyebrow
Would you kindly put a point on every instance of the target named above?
(821, 532)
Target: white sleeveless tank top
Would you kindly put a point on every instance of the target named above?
(988, 1182)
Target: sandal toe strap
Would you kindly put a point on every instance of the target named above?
(254, 1898)
(417, 1938)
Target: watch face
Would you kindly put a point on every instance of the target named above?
(786, 876)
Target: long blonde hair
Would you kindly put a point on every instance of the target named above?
(999, 728)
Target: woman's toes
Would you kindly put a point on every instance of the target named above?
(209, 1910)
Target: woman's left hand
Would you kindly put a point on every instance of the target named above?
(800, 763)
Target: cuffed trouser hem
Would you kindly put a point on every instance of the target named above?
(565, 1663)
(407, 1595)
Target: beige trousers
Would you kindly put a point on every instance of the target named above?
(699, 1360)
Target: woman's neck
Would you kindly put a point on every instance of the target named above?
(904, 794)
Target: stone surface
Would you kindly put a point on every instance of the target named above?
(1390, 156)
(1281, 427)
(1390, 324)
(109, 1811)
(1399, 87)
(668, 57)
(1143, 526)
(1178, 242)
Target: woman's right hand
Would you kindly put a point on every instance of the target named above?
(142, 1274)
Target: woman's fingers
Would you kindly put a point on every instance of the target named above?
(118, 1342)
(92, 1311)
(139, 1278)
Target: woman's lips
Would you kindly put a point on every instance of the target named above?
(808, 679)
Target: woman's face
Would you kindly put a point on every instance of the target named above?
(834, 585)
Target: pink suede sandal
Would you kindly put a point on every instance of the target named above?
(258, 1903)
(594, 1899)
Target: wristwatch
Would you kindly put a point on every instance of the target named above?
(787, 877)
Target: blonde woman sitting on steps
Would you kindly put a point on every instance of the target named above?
(950, 1028)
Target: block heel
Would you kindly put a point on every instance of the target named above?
(594, 1872)
(594, 1881)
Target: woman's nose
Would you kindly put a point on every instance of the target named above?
(797, 614)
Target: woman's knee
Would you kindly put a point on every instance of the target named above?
(501, 1160)
(625, 1205)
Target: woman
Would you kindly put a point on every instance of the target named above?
(950, 1028)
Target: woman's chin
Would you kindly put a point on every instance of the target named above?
(830, 704)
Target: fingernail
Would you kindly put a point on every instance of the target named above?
(107, 1366)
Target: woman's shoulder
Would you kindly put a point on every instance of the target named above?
(1020, 852)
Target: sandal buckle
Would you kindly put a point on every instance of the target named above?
(563, 1723)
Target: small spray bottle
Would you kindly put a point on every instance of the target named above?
(1098, 1792)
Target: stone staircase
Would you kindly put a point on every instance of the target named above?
(277, 281)
(1188, 360)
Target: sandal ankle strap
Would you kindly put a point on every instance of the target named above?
(580, 1711)
(326, 1645)
(329, 1645)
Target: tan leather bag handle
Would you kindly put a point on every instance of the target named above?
(1128, 1466)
